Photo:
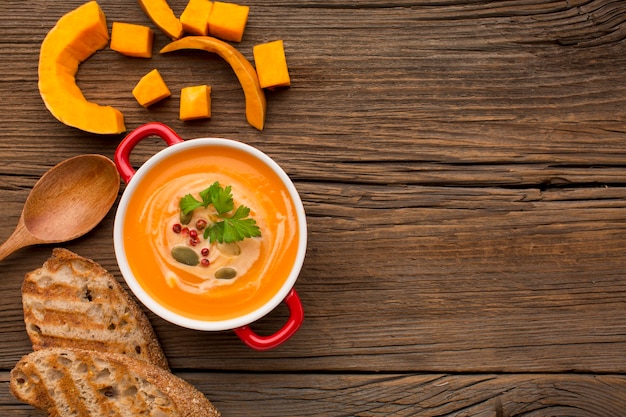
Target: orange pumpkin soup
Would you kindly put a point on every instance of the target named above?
(201, 290)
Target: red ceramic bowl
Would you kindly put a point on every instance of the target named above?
(203, 302)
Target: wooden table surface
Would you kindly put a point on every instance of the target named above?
(463, 169)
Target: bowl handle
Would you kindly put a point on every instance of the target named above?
(122, 153)
(296, 317)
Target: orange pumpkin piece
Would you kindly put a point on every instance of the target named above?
(75, 37)
(150, 89)
(228, 21)
(271, 64)
(256, 104)
(162, 15)
(195, 17)
(195, 102)
(132, 40)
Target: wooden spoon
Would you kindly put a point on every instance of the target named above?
(68, 201)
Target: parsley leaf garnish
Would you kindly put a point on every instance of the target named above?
(239, 226)
(189, 203)
(227, 228)
(221, 198)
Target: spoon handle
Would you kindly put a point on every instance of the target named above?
(20, 238)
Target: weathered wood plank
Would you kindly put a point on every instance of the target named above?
(484, 395)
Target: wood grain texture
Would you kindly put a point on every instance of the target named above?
(400, 395)
(463, 169)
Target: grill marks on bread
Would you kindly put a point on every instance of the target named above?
(73, 302)
(56, 308)
(96, 353)
(77, 383)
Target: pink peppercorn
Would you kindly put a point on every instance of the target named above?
(204, 252)
(193, 233)
(201, 224)
(177, 228)
(205, 262)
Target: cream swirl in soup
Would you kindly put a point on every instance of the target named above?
(162, 210)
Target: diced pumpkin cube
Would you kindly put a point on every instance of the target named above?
(271, 64)
(195, 102)
(150, 89)
(195, 17)
(228, 21)
(132, 40)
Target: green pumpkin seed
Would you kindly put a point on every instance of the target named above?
(185, 255)
(185, 218)
(229, 249)
(225, 273)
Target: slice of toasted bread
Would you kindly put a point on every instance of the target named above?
(80, 383)
(73, 302)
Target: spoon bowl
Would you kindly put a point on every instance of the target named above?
(68, 201)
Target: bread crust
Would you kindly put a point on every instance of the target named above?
(73, 302)
(76, 382)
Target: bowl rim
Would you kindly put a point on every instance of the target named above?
(149, 301)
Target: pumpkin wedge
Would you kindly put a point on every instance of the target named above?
(76, 36)
(162, 15)
(245, 72)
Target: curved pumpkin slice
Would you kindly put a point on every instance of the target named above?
(76, 36)
(162, 15)
(255, 97)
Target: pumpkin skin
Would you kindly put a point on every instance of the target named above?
(256, 104)
(76, 36)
